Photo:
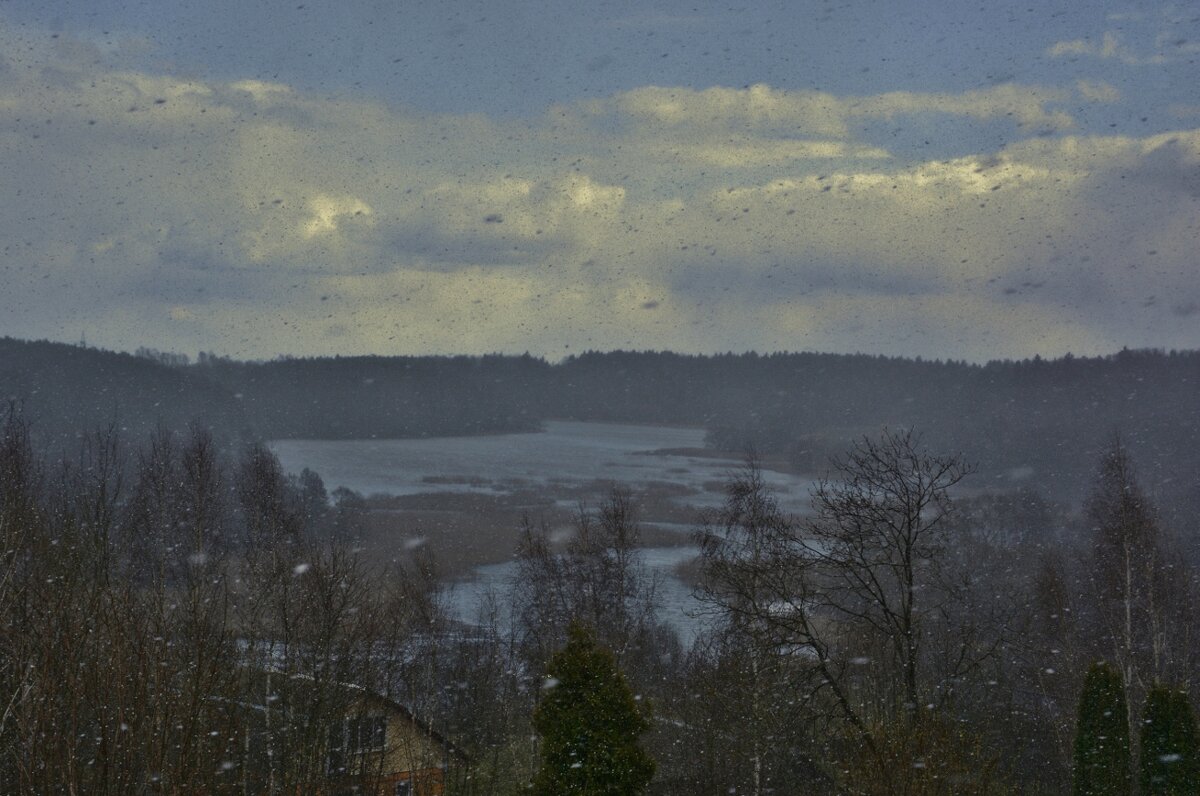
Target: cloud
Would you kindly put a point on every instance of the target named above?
(1168, 46)
(262, 91)
(1070, 47)
(327, 212)
(1109, 46)
(757, 107)
(749, 152)
(507, 220)
(761, 109)
(1026, 105)
(1097, 91)
(256, 218)
(1181, 111)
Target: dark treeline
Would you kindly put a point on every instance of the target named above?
(68, 389)
(1030, 421)
(1037, 421)
(381, 397)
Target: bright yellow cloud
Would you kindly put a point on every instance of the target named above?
(262, 90)
(327, 211)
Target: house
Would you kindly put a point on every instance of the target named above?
(381, 749)
(332, 738)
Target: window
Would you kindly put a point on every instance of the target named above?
(355, 736)
(365, 734)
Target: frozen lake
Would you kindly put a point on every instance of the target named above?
(565, 461)
(678, 607)
(567, 453)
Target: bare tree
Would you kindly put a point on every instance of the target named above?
(879, 543)
(862, 591)
(599, 578)
(751, 570)
(1139, 582)
(1125, 556)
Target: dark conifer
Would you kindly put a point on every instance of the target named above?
(1102, 761)
(1168, 745)
(589, 722)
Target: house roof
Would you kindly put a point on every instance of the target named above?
(360, 691)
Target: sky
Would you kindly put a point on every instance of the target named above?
(926, 179)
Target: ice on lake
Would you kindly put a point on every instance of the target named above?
(566, 453)
(558, 461)
(677, 605)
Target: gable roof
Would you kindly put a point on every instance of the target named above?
(354, 691)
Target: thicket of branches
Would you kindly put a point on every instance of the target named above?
(175, 618)
(905, 638)
(170, 623)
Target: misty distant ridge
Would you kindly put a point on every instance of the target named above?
(1027, 422)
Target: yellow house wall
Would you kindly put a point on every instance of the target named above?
(407, 749)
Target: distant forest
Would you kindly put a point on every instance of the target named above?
(1024, 423)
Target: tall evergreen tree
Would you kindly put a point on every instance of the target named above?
(1169, 764)
(589, 722)
(1102, 761)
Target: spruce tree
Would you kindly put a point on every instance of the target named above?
(1102, 759)
(1169, 764)
(589, 722)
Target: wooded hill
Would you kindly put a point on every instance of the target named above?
(1029, 422)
